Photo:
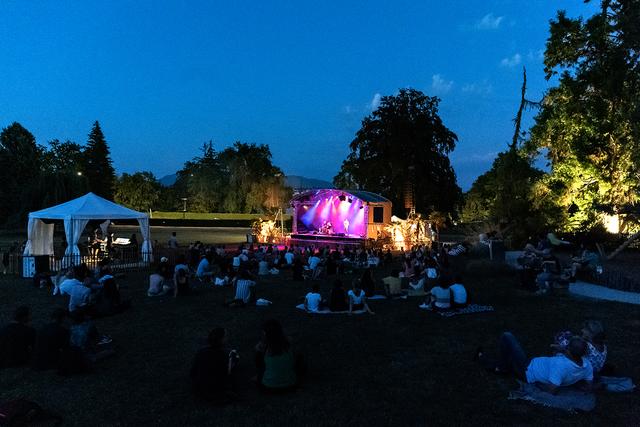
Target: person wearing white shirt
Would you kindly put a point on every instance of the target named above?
(79, 294)
(313, 300)
(358, 299)
(458, 294)
(549, 373)
(263, 268)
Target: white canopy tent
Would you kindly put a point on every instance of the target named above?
(76, 214)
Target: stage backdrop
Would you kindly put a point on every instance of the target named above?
(352, 213)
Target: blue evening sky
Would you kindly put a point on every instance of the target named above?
(162, 77)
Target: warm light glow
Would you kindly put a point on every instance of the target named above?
(612, 223)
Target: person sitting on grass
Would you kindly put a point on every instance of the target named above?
(17, 339)
(548, 373)
(278, 369)
(74, 286)
(587, 262)
(244, 293)
(109, 301)
(181, 283)
(393, 285)
(313, 300)
(593, 334)
(458, 293)
(358, 299)
(298, 270)
(52, 341)
(204, 270)
(439, 296)
(337, 297)
(212, 369)
(263, 267)
(159, 285)
(367, 283)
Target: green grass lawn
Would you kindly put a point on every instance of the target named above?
(401, 366)
(207, 215)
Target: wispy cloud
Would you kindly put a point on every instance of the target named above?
(478, 157)
(489, 22)
(375, 102)
(536, 55)
(439, 85)
(511, 61)
(478, 88)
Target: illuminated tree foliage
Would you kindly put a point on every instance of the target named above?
(588, 124)
(404, 142)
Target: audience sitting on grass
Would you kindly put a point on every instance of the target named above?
(244, 288)
(84, 336)
(367, 283)
(75, 287)
(52, 342)
(439, 297)
(263, 267)
(338, 297)
(393, 284)
(17, 339)
(109, 301)
(593, 334)
(566, 368)
(278, 368)
(458, 293)
(313, 300)
(298, 270)
(212, 369)
(358, 299)
(159, 285)
(204, 270)
(587, 262)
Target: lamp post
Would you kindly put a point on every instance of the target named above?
(184, 208)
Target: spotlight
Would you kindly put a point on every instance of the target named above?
(342, 198)
(361, 207)
(350, 200)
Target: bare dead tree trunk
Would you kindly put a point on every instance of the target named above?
(624, 246)
(518, 119)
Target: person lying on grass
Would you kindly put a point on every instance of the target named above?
(593, 334)
(566, 368)
(212, 369)
(313, 300)
(358, 299)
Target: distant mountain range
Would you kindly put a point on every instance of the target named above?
(294, 181)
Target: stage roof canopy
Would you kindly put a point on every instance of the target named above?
(365, 196)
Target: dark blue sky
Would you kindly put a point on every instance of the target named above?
(162, 77)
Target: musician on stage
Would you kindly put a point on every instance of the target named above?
(346, 226)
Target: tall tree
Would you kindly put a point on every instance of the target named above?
(201, 181)
(98, 167)
(20, 169)
(251, 176)
(62, 178)
(404, 143)
(589, 122)
(139, 191)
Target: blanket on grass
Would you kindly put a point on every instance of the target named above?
(327, 311)
(567, 398)
(381, 297)
(470, 309)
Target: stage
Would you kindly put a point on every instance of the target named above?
(326, 240)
